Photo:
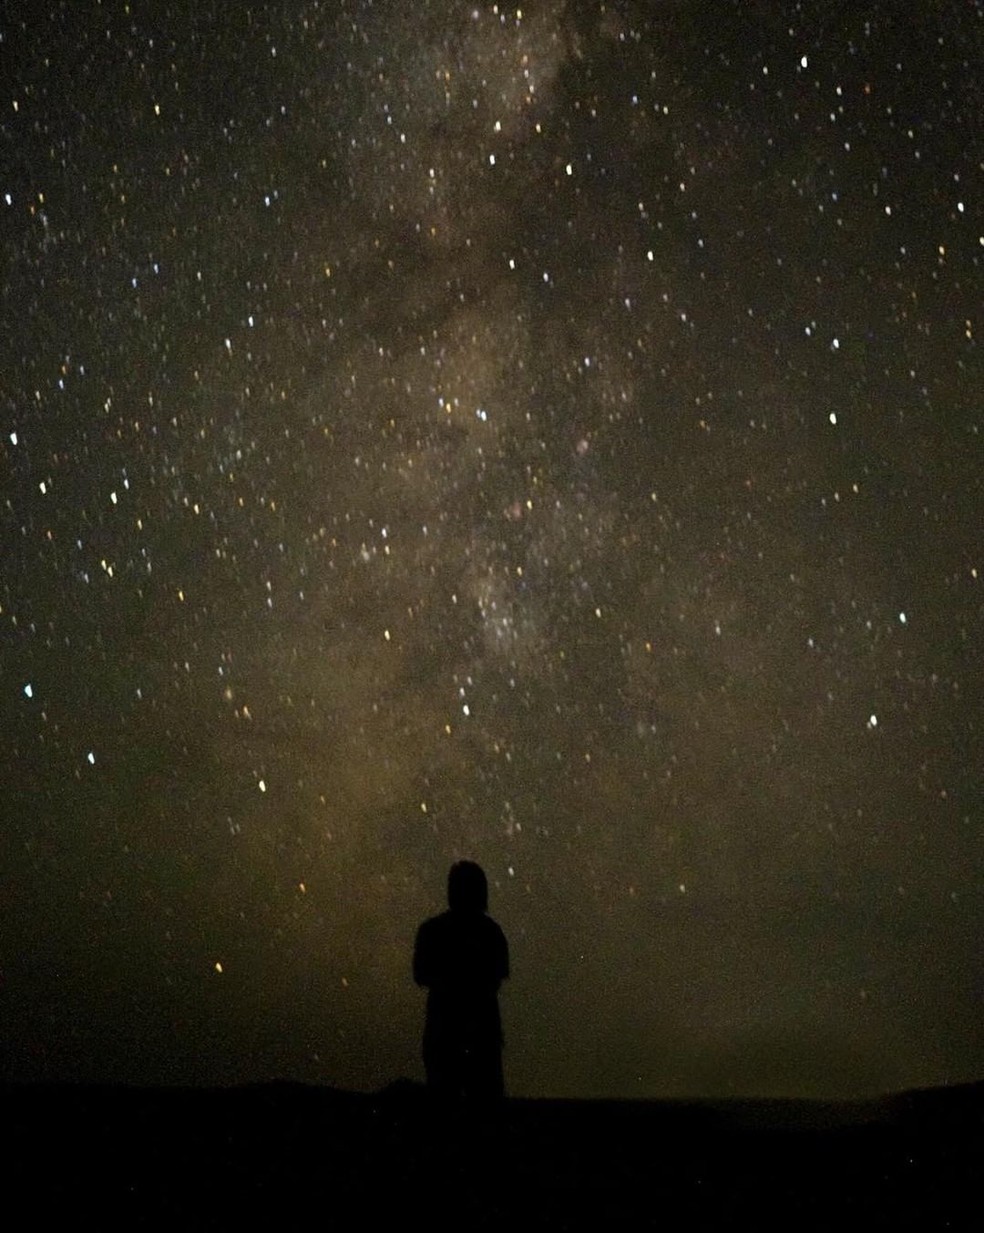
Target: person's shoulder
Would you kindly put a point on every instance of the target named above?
(434, 924)
(493, 927)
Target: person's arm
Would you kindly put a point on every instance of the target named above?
(421, 958)
(502, 958)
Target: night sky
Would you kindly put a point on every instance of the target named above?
(548, 436)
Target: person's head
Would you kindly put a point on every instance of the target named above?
(468, 891)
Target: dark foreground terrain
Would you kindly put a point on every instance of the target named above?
(285, 1156)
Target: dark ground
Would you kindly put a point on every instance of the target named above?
(283, 1156)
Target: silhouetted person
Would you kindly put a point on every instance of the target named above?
(461, 957)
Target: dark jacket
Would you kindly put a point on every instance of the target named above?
(461, 957)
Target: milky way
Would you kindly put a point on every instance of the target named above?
(546, 436)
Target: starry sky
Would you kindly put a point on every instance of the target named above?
(549, 436)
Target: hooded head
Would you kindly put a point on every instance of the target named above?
(468, 891)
